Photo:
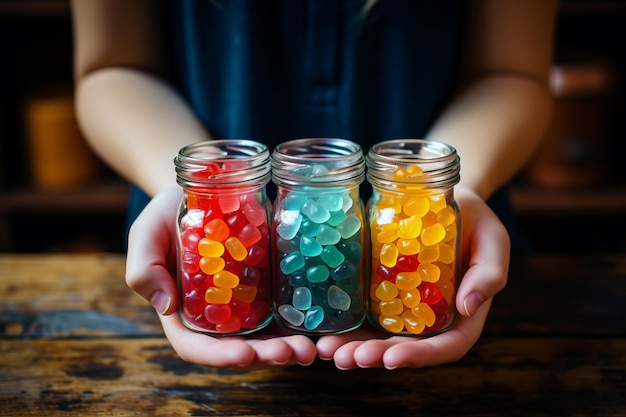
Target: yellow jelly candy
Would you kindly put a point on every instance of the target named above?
(390, 202)
(236, 249)
(218, 295)
(210, 248)
(446, 216)
(211, 265)
(437, 202)
(446, 253)
(424, 313)
(391, 308)
(411, 298)
(428, 254)
(417, 206)
(408, 280)
(408, 246)
(412, 323)
(429, 272)
(387, 232)
(386, 291)
(225, 279)
(410, 227)
(389, 255)
(432, 235)
(392, 324)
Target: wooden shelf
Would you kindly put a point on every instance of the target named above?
(529, 200)
(101, 197)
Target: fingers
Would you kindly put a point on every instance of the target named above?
(151, 251)
(446, 347)
(204, 350)
(364, 350)
(487, 246)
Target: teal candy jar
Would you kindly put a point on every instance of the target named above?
(319, 234)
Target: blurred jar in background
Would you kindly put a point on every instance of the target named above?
(58, 156)
(574, 153)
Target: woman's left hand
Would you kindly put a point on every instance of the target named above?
(486, 250)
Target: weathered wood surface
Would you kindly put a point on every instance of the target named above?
(75, 341)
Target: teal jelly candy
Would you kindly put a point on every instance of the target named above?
(310, 246)
(288, 245)
(318, 273)
(351, 286)
(331, 201)
(292, 263)
(294, 201)
(328, 235)
(313, 318)
(298, 278)
(338, 298)
(309, 228)
(315, 211)
(289, 224)
(347, 202)
(302, 298)
(336, 217)
(292, 315)
(319, 291)
(351, 250)
(349, 226)
(317, 169)
(345, 270)
(332, 257)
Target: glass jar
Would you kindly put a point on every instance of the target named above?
(223, 241)
(319, 234)
(415, 228)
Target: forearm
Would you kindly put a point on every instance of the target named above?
(495, 124)
(136, 123)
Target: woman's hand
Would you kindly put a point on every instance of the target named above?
(486, 250)
(151, 271)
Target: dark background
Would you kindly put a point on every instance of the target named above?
(582, 216)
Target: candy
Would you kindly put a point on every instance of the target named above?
(224, 263)
(319, 263)
(413, 235)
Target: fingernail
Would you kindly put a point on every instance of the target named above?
(160, 301)
(472, 302)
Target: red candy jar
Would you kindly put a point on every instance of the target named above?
(223, 246)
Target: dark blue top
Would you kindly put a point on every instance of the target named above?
(275, 70)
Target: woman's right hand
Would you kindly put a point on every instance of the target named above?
(151, 272)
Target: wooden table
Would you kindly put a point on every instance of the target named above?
(75, 340)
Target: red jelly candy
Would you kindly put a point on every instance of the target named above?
(254, 212)
(194, 303)
(190, 238)
(198, 280)
(258, 311)
(250, 276)
(256, 256)
(235, 221)
(431, 294)
(239, 308)
(190, 262)
(217, 313)
(407, 263)
(230, 325)
(384, 273)
(249, 235)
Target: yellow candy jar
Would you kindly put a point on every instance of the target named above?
(415, 228)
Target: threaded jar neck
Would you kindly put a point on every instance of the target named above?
(319, 162)
(439, 164)
(223, 162)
